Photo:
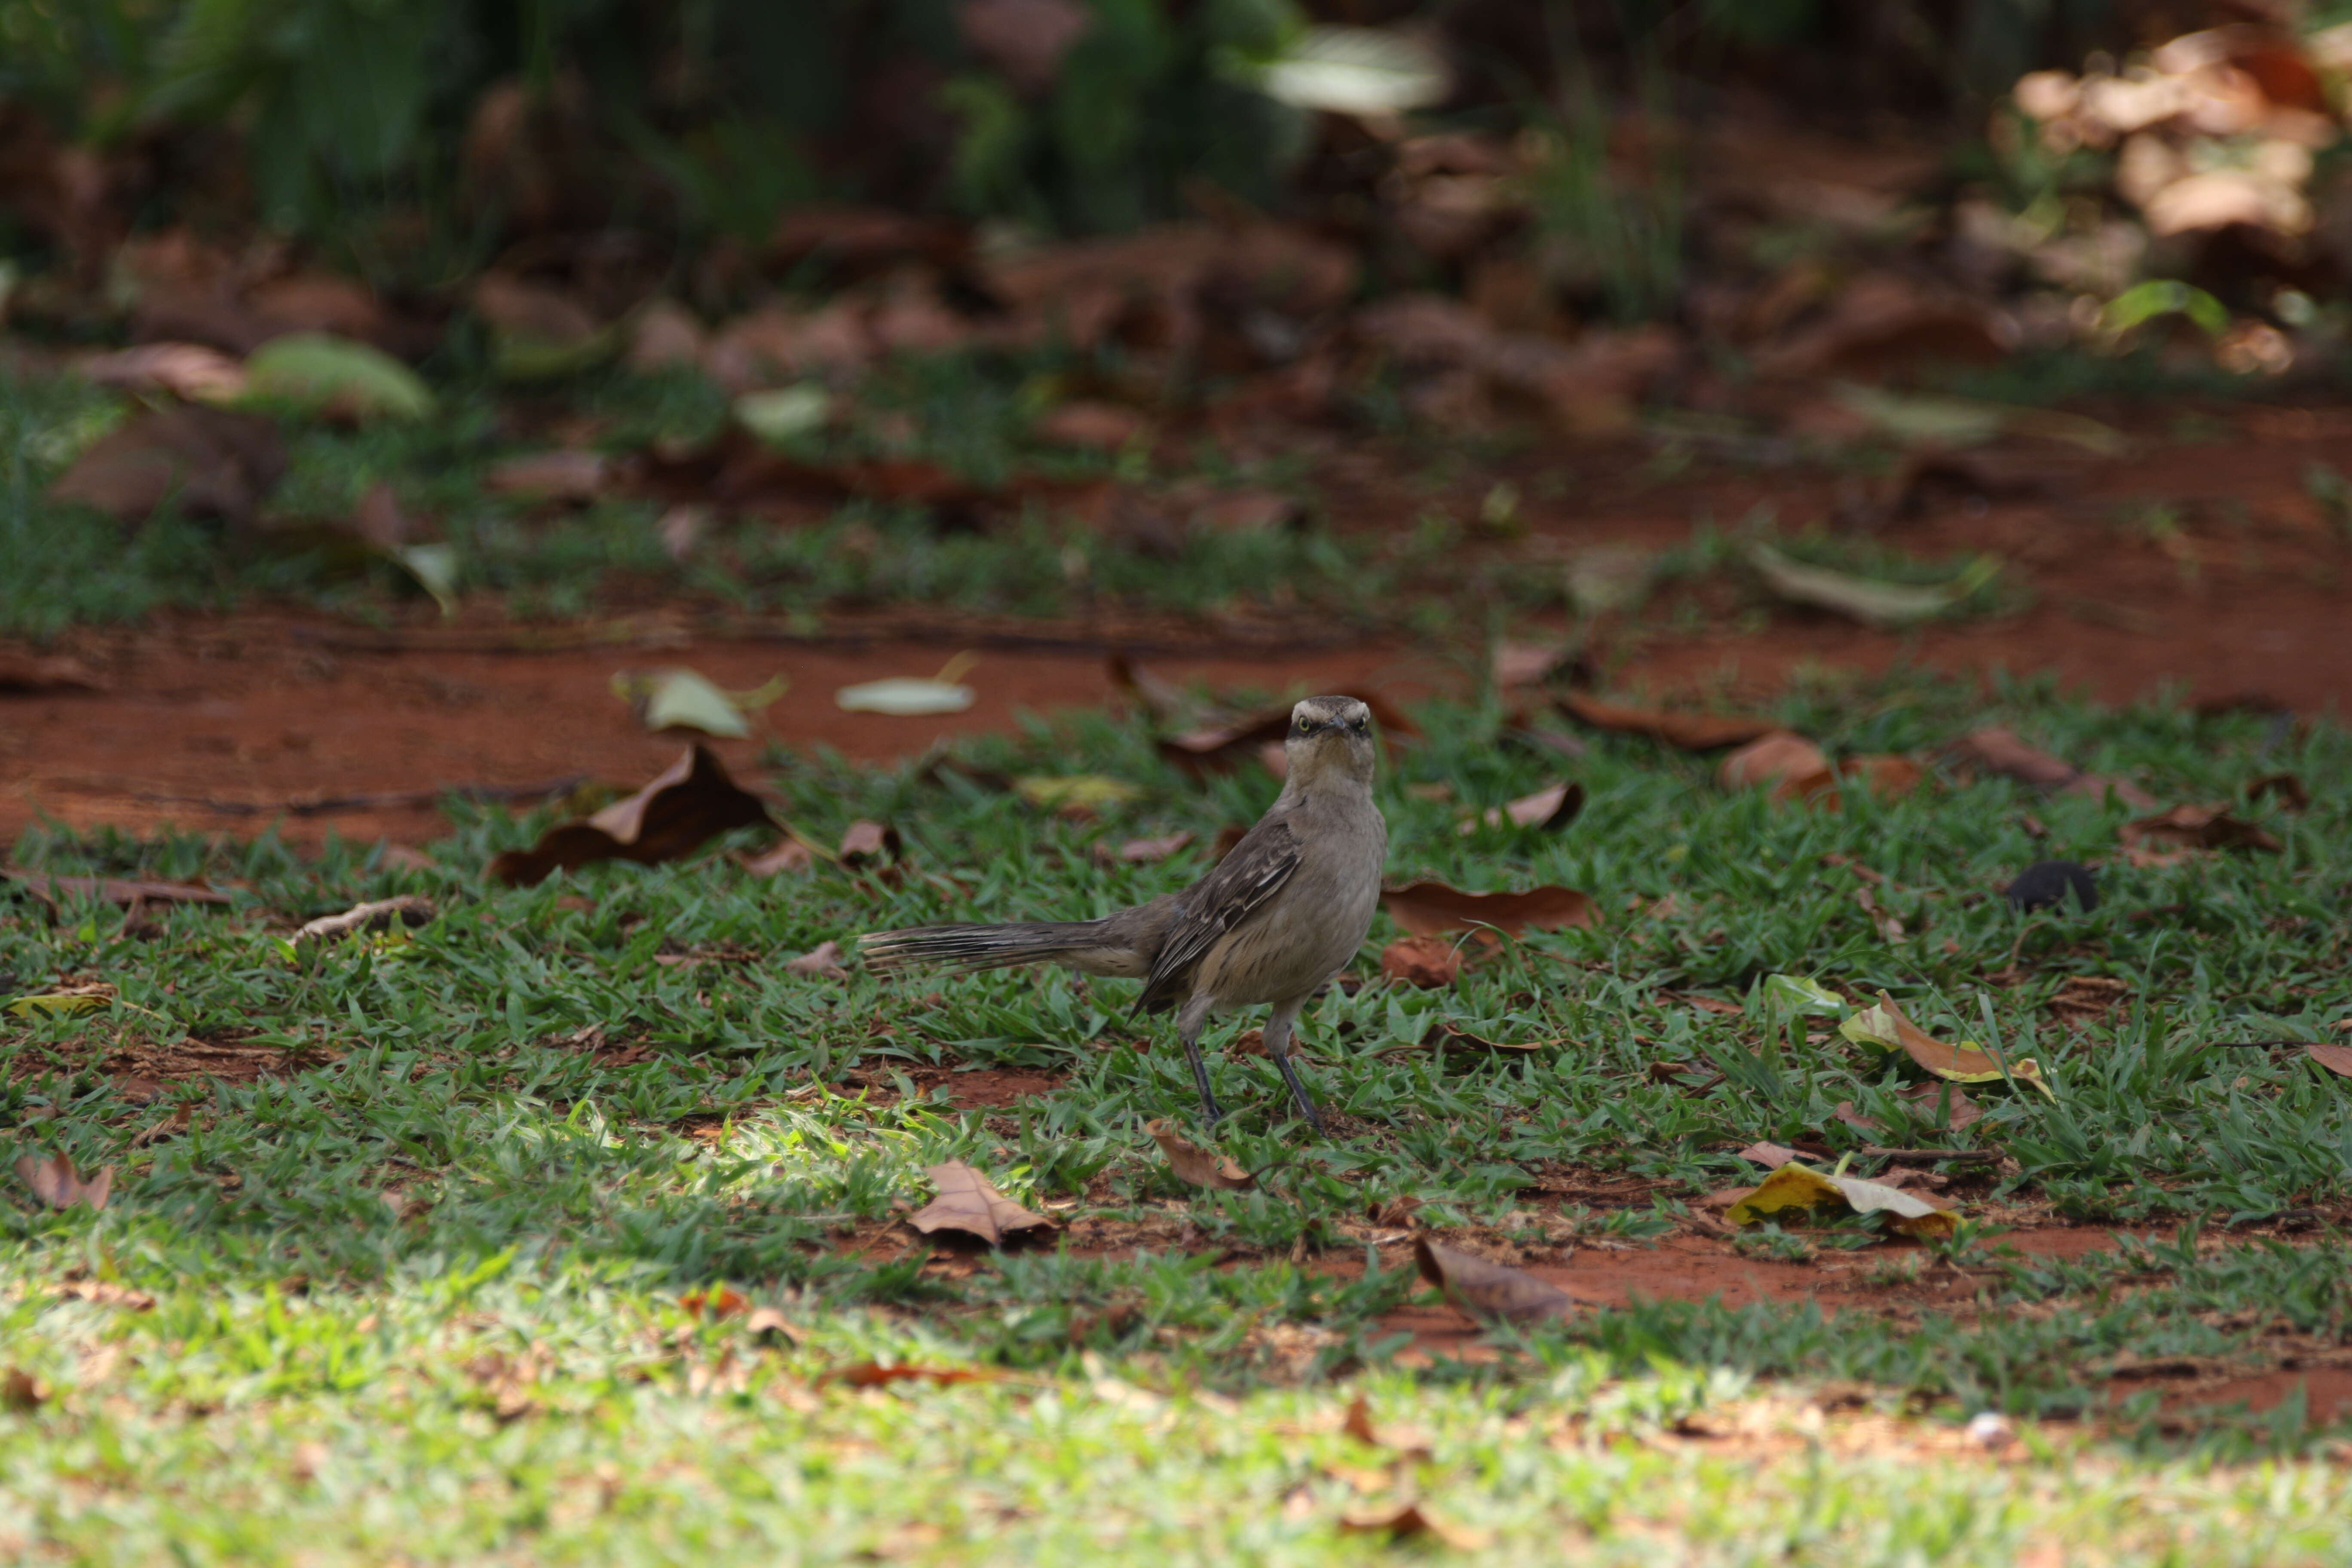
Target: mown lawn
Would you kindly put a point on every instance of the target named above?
(440, 1286)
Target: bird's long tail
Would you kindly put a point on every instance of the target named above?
(982, 946)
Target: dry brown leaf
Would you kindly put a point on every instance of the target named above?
(1408, 1520)
(2335, 1059)
(104, 1293)
(872, 1374)
(1771, 1156)
(1999, 751)
(1888, 775)
(209, 462)
(1548, 810)
(821, 963)
(969, 1203)
(408, 909)
(864, 843)
(1782, 759)
(56, 1184)
(1103, 426)
(692, 800)
(194, 370)
(766, 1320)
(1530, 664)
(1486, 1289)
(1409, 1442)
(569, 475)
(1428, 962)
(717, 1302)
(1431, 908)
(788, 854)
(23, 674)
(2192, 827)
(1151, 852)
(1200, 1167)
(54, 889)
(170, 1127)
(1691, 732)
(1024, 40)
(2285, 786)
(20, 1391)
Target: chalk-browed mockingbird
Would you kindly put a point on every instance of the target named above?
(1278, 916)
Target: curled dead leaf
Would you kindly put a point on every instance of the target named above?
(1406, 1520)
(1431, 909)
(864, 843)
(1486, 1289)
(1428, 962)
(1782, 759)
(1797, 1186)
(821, 963)
(692, 800)
(20, 1391)
(970, 1203)
(56, 1184)
(1691, 732)
(408, 909)
(1885, 1026)
(2186, 828)
(1200, 1167)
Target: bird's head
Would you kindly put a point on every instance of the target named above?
(1330, 738)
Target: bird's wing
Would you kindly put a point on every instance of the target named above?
(1243, 882)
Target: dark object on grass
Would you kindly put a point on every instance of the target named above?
(2046, 885)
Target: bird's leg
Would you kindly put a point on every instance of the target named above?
(1277, 1046)
(1188, 1025)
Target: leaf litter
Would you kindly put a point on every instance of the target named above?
(1884, 1027)
(56, 1184)
(690, 802)
(970, 1204)
(1198, 1166)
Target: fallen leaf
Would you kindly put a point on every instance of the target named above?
(1350, 71)
(407, 909)
(66, 1002)
(1103, 426)
(789, 854)
(539, 332)
(1486, 1289)
(105, 1293)
(1771, 1156)
(1797, 994)
(905, 696)
(778, 416)
(1866, 599)
(2285, 786)
(193, 371)
(766, 1320)
(1431, 908)
(1149, 851)
(969, 1203)
(2335, 1059)
(569, 475)
(1448, 1036)
(1530, 664)
(208, 462)
(337, 378)
(56, 1184)
(1927, 1096)
(717, 1302)
(2048, 884)
(821, 962)
(1998, 749)
(1951, 422)
(1782, 759)
(1428, 962)
(22, 1392)
(1885, 1026)
(863, 842)
(1200, 1167)
(1547, 810)
(171, 1126)
(1408, 1441)
(1888, 775)
(1024, 40)
(1406, 1520)
(28, 675)
(1691, 732)
(692, 800)
(872, 1375)
(1080, 793)
(2188, 827)
(681, 699)
(1794, 1185)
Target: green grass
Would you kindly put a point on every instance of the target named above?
(321, 1377)
(971, 414)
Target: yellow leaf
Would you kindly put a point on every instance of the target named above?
(61, 1004)
(1885, 1026)
(1091, 790)
(1800, 1186)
